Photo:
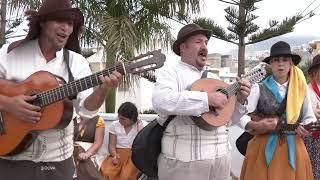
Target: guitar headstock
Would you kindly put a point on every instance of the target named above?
(145, 62)
(256, 74)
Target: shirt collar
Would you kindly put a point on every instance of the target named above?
(282, 85)
(59, 54)
(186, 65)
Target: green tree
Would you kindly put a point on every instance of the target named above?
(11, 16)
(241, 18)
(126, 28)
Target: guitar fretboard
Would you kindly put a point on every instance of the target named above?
(74, 87)
(252, 77)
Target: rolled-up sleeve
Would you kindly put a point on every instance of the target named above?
(3, 59)
(251, 106)
(238, 112)
(81, 70)
(307, 111)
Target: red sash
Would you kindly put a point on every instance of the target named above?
(316, 90)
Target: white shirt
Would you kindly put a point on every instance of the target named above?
(19, 64)
(182, 139)
(307, 112)
(124, 140)
(315, 100)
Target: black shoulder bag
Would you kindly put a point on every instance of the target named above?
(244, 138)
(146, 147)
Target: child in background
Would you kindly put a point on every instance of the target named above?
(118, 165)
(88, 137)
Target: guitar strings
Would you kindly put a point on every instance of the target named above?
(255, 76)
(60, 89)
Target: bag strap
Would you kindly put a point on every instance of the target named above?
(70, 76)
(165, 124)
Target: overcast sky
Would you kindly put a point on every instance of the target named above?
(268, 9)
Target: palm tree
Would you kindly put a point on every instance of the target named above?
(13, 9)
(126, 27)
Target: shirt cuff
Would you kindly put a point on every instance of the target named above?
(205, 102)
(241, 108)
(244, 121)
(85, 112)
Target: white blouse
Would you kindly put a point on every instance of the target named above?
(124, 140)
(307, 112)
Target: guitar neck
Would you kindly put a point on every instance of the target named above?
(142, 63)
(74, 87)
(231, 90)
(253, 76)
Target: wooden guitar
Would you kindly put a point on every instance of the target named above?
(214, 118)
(17, 135)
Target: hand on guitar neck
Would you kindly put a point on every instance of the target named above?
(218, 100)
(221, 110)
(44, 98)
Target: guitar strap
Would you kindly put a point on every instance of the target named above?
(282, 106)
(70, 76)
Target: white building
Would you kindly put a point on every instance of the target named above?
(225, 74)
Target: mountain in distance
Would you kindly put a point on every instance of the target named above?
(266, 45)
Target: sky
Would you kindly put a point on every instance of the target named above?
(267, 9)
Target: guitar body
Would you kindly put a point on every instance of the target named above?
(18, 134)
(213, 118)
(52, 96)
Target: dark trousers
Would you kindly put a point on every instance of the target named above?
(29, 170)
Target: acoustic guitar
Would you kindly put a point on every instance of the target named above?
(218, 117)
(57, 110)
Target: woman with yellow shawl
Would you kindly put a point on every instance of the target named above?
(277, 150)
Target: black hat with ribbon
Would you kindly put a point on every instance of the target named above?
(282, 48)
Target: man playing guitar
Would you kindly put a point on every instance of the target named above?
(189, 152)
(51, 29)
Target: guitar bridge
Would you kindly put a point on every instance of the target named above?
(2, 128)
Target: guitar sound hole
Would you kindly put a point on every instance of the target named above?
(37, 101)
(223, 91)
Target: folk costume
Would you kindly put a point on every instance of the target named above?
(282, 154)
(313, 142)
